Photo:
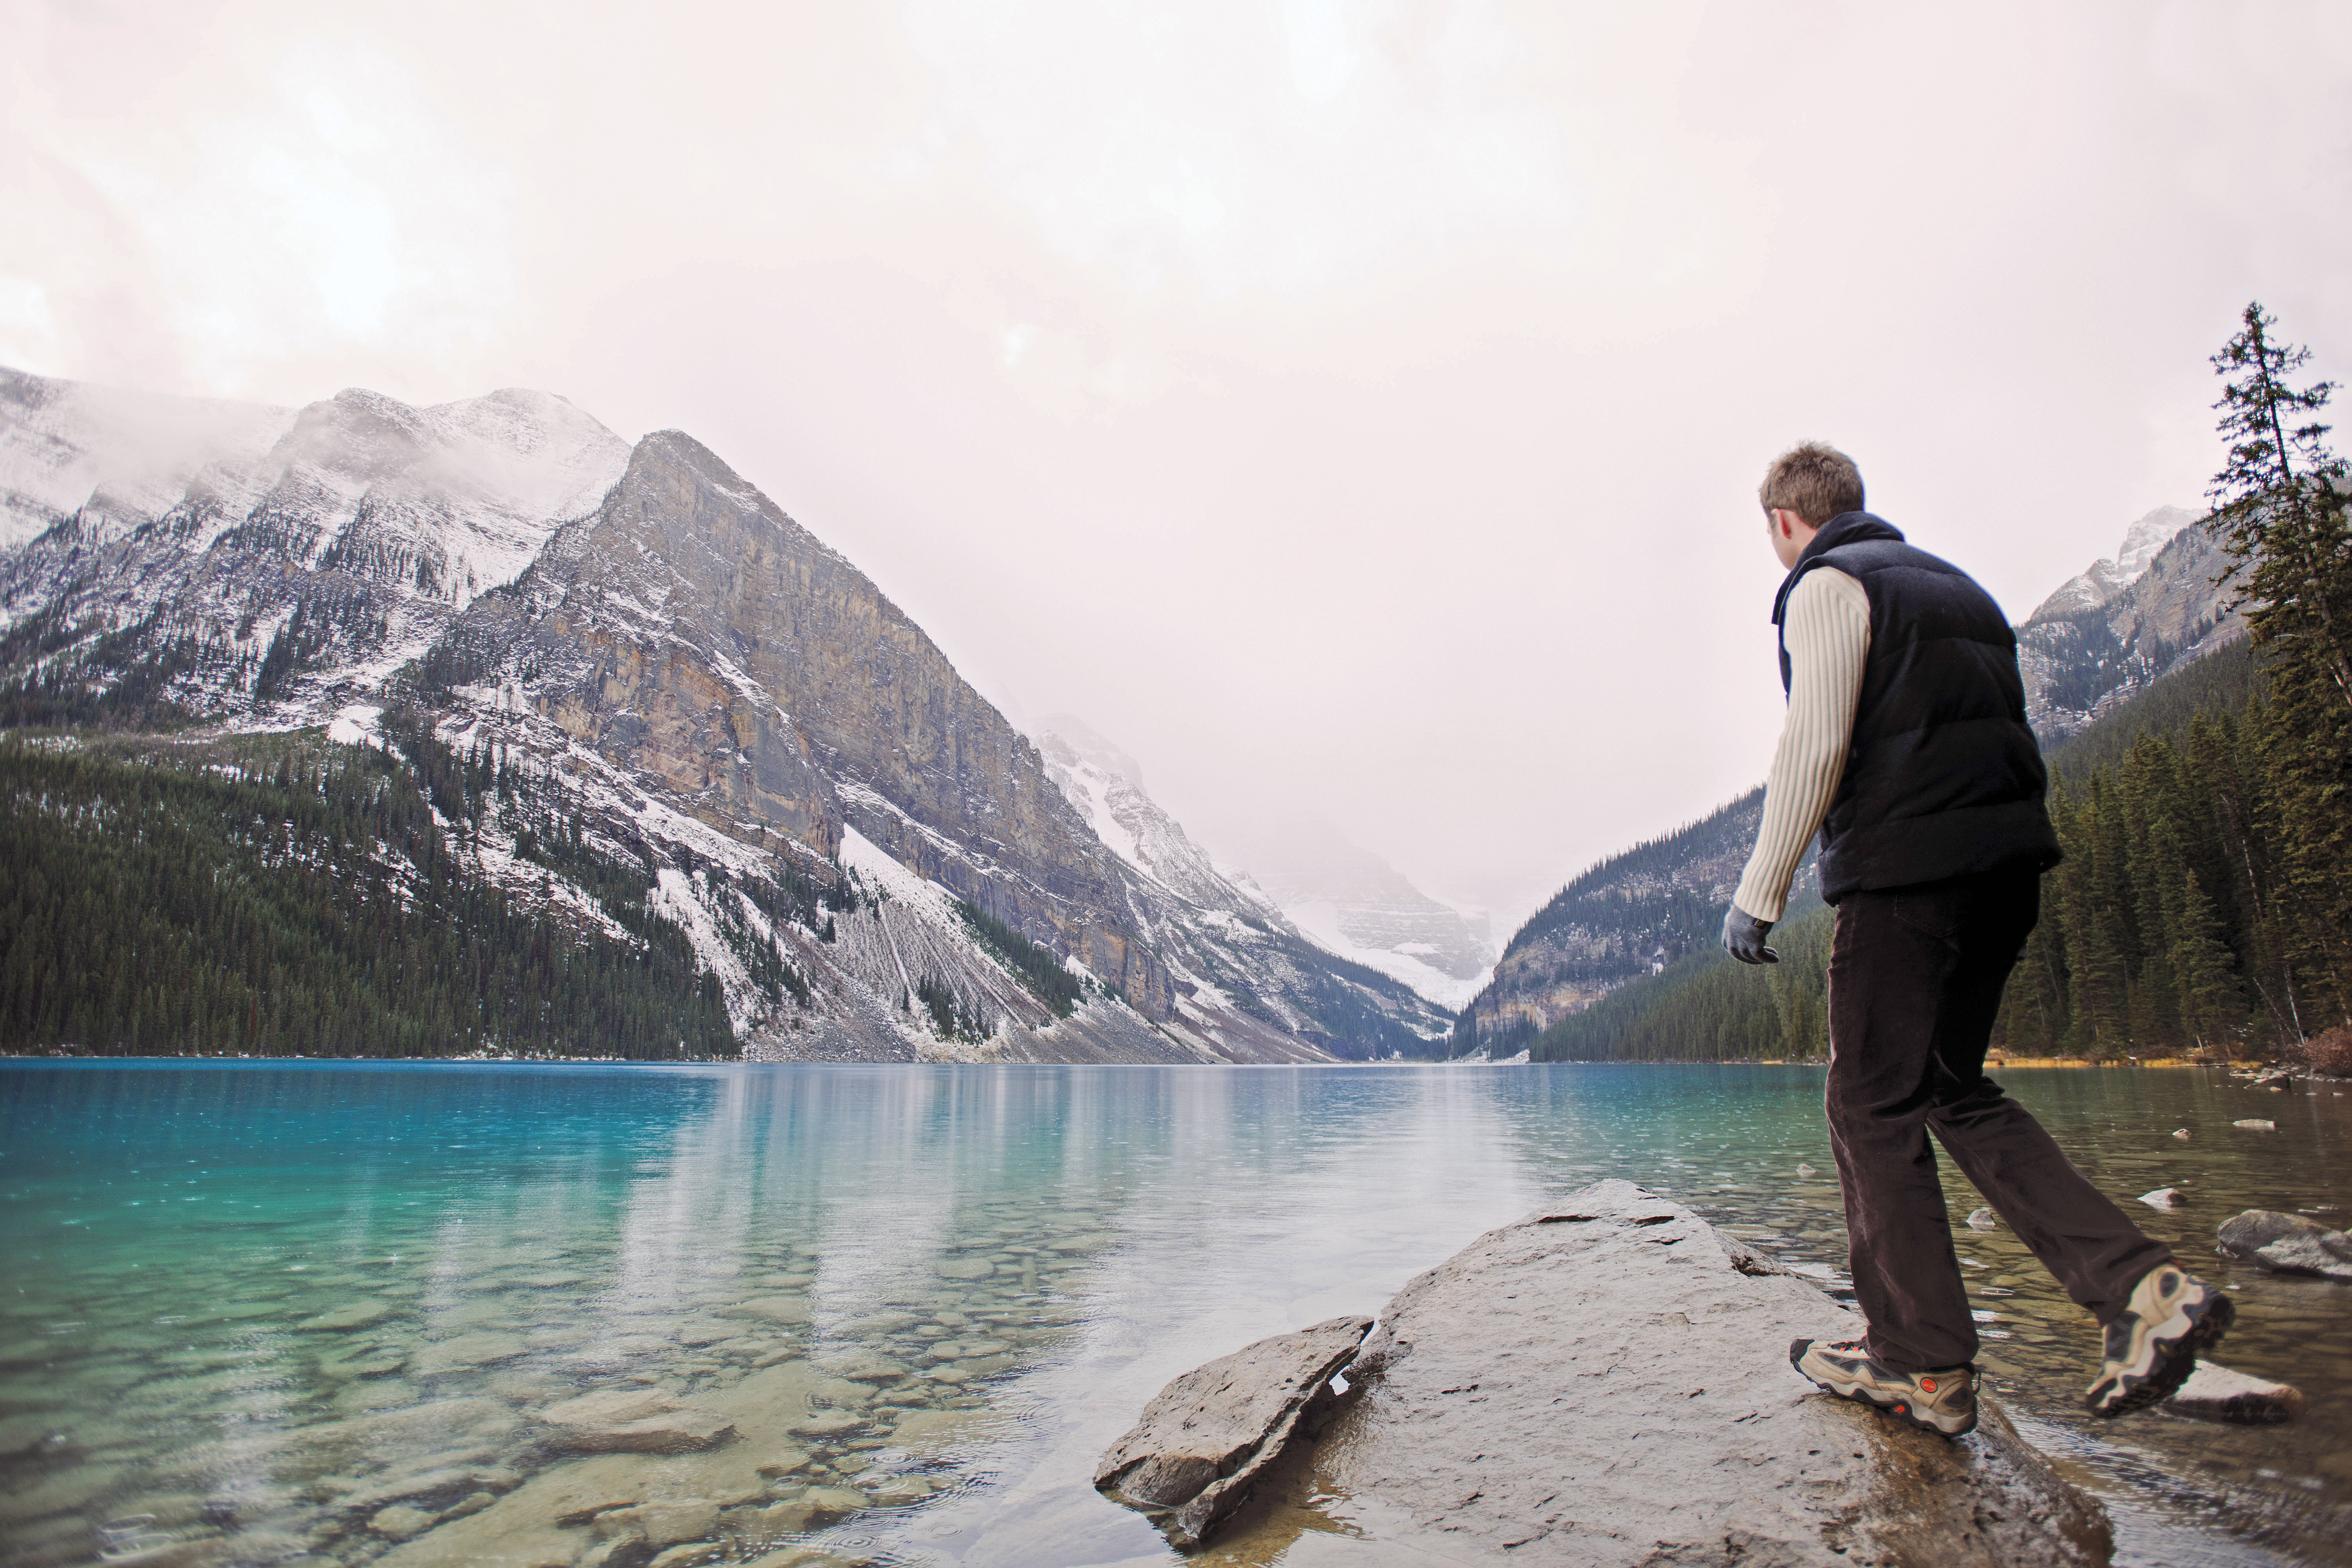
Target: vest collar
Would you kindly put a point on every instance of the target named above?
(1846, 528)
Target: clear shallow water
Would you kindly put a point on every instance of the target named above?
(232, 1289)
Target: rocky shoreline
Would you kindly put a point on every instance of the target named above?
(1604, 1382)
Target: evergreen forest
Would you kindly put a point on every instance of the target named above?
(273, 896)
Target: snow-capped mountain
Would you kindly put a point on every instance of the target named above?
(1218, 931)
(2105, 633)
(1354, 904)
(711, 704)
(2143, 541)
(347, 535)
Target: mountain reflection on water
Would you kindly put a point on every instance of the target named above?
(226, 1280)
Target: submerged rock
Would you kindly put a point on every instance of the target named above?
(2165, 1198)
(791, 1312)
(827, 1423)
(551, 1519)
(662, 1524)
(2181, 1134)
(633, 1421)
(401, 1521)
(353, 1315)
(1204, 1443)
(1606, 1382)
(2254, 1124)
(479, 1348)
(1984, 1219)
(2287, 1244)
(2217, 1394)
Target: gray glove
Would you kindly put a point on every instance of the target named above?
(1743, 937)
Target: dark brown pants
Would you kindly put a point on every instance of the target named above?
(1916, 977)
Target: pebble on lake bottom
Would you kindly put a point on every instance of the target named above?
(2253, 1124)
(2165, 1198)
(2180, 1132)
(2217, 1394)
(1984, 1219)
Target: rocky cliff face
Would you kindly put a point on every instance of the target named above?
(2125, 622)
(698, 636)
(725, 713)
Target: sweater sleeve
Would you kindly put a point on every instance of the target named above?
(1827, 636)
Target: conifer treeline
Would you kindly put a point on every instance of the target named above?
(1706, 1008)
(1037, 967)
(173, 904)
(2176, 922)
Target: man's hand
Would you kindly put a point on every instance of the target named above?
(1743, 937)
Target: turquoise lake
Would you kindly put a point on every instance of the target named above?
(278, 1312)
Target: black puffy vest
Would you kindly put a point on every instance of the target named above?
(1944, 778)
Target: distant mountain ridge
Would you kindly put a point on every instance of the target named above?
(703, 702)
(2126, 621)
(2097, 641)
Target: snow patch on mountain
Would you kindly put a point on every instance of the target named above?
(2127, 621)
(677, 899)
(879, 870)
(1327, 924)
(1358, 907)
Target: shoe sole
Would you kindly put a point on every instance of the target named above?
(1900, 1409)
(2173, 1355)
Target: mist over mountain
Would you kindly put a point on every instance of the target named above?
(651, 694)
(1303, 877)
(1220, 933)
(1355, 904)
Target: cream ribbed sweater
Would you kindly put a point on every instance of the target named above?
(1827, 630)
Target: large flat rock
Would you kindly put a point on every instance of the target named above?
(1606, 1382)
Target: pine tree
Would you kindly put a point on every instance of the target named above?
(2280, 509)
(2279, 505)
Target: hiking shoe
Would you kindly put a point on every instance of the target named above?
(1942, 1401)
(2153, 1343)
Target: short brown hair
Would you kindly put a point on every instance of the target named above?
(1814, 479)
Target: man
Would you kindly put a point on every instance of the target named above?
(1906, 747)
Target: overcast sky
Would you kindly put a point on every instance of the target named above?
(1349, 405)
